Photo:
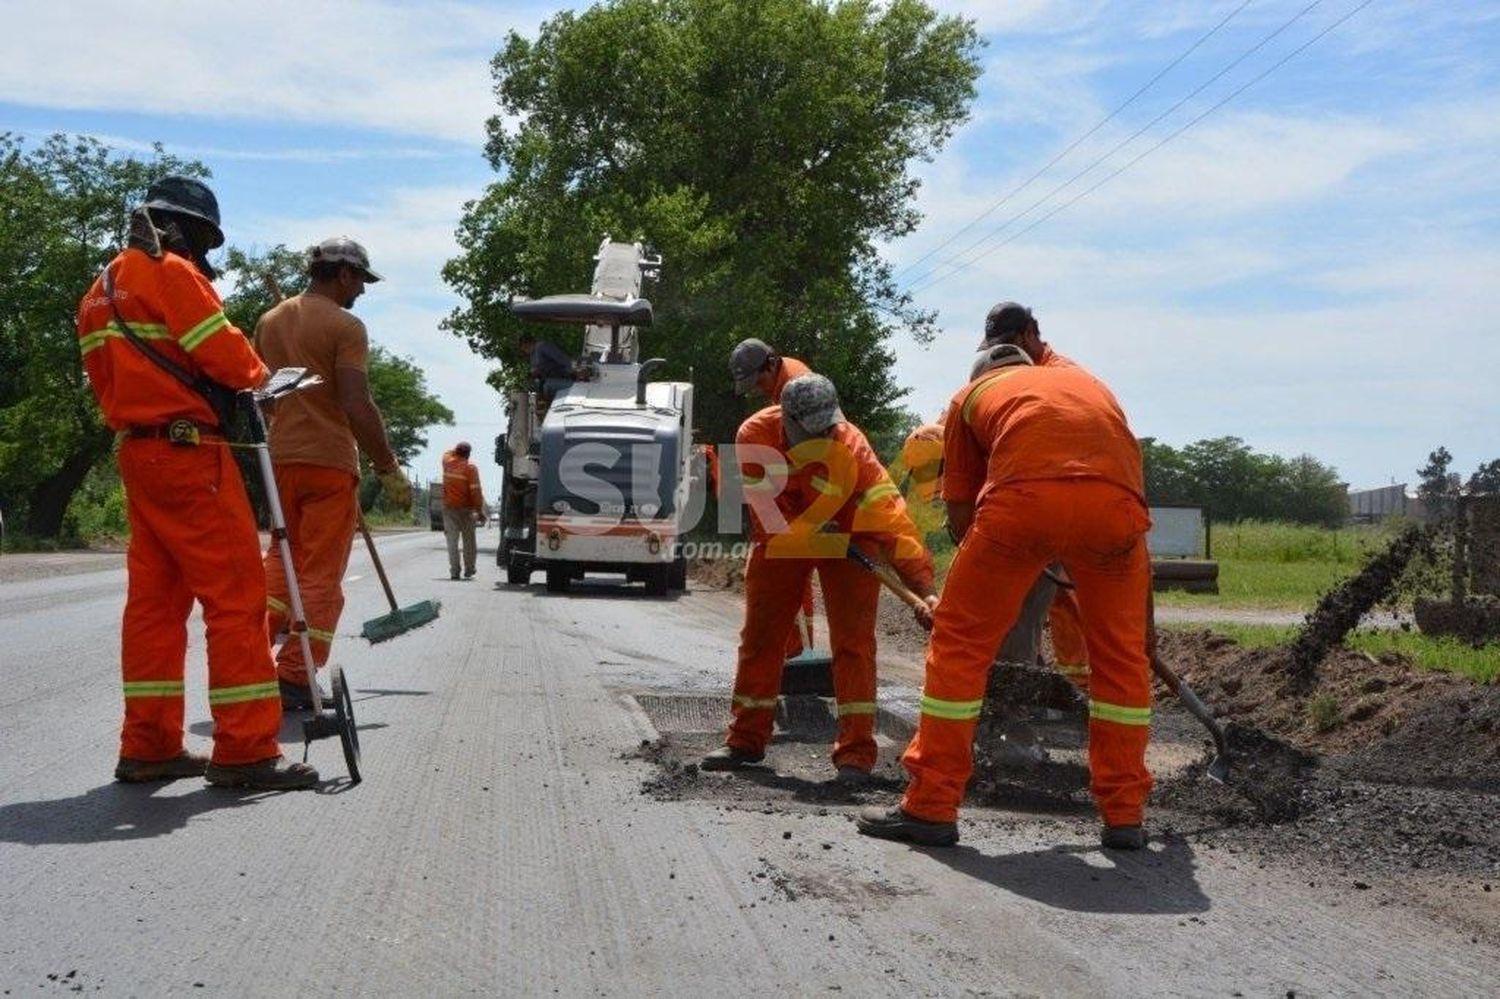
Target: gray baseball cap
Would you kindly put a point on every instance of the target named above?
(342, 250)
(746, 361)
(809, 408)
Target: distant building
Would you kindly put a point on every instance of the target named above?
(1369, 505)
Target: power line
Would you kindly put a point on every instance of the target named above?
(1076, 142)
(957, 262)
(1126, 166)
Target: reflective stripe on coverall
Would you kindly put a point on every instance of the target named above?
(320, 504)
(1061, 481)
(192, 533)
(839, 480)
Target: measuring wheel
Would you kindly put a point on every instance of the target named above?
(339, 721)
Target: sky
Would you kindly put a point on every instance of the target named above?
(1292, 235)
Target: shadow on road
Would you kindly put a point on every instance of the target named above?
(1157, 881)
(113, 812)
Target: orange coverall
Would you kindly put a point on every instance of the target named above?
(836, 480)
(192, 534)
(1055, 473)
(793, 368)
(317, 472)
(1070, 653)
(922, 454)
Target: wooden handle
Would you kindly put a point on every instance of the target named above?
(379, 569)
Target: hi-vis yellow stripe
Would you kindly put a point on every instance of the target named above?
(153, 688)
(194, 337)
(319, 635)
(825, 487)
(857, 708)
(1119, 713)
(146, 331)
(972, 399)
(247, 692)
(951, 710)
(754, 702)
(276, 605)
(878, 492)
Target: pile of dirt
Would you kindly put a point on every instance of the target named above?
(1381, 719)
(718, 573)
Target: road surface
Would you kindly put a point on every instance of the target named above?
(501, 843)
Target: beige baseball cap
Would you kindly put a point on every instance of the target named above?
(342, 250)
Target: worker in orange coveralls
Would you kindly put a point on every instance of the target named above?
(1039, 465)
(757, 369)
(1011, 322)
(313, 434)
(192, 534)
(463, 507)
(922, 456)
(805, 467)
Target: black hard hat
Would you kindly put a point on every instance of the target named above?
(187, 196)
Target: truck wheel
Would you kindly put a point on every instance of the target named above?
(518, 572)
(677, 577)
(557, 581)
(658, 579)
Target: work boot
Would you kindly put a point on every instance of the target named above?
(296, 696)
(468, 573)
(276, 774)
(184, 764)
(851, 776)
(729, 758)
(892, 823)
(1122, 838)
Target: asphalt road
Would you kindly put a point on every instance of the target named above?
(500, 843)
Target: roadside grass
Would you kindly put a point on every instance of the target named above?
(1427, 651)
(1278, 566)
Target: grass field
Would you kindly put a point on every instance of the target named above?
(1281, 566)
(1451, 655)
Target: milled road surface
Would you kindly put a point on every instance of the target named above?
(501, 845)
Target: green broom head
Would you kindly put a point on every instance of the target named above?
(400, 621)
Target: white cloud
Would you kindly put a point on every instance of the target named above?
(418, 69)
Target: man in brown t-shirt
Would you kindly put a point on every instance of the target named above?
(313, 436)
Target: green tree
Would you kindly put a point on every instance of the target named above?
(398, 386)
(1486, 478)
(1166, 472)
(761, 147)
(1438, 487)
(63, 214)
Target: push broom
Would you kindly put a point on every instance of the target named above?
(401, 619)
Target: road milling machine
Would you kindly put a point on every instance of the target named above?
(597, 466)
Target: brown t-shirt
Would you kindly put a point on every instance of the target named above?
(313, 332)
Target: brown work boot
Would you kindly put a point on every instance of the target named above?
(276, 774)
(892, 823)
(729, 758)
(184, 764)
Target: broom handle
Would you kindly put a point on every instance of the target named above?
(385, 584)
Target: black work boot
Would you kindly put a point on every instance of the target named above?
(275, 774)
(892, 823)
(729, 758)
(184, 764)
(1122, 838)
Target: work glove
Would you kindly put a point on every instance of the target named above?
(397, 488)
(480, 519)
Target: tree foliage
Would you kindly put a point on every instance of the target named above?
(396, 383)
(1234, 482)
(63, 214)
(761, 147)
